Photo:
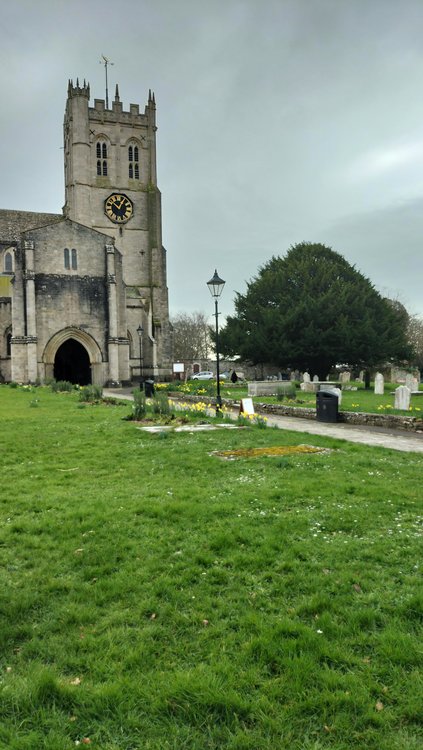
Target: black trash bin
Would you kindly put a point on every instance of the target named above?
(149, 388)
(326, 406)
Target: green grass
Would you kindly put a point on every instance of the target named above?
(355, 401)
(155, 596)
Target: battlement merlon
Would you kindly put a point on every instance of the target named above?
(78, 90)
(116, 113)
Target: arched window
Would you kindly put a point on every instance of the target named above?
(101, 154)
(8, 344)
(133, 167)
(66, 258)
(74, 260)
(8, 263)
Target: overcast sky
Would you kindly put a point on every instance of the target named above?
(279, 121)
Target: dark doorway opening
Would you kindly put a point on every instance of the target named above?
(72, 363)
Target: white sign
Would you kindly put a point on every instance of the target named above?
(247, 406)
(178, 367)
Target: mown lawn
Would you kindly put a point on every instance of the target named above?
(156, 596)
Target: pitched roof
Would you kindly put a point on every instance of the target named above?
(12, 223)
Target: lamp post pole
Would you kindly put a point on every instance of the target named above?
(215, 286)
(140, 331)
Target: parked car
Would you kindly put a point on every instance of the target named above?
(205, 375)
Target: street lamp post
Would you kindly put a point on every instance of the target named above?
(215, 286)
(140, 331)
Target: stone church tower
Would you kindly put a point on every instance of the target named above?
(87, 289)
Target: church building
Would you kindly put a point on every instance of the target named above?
(83, 294)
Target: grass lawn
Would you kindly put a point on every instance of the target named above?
(155, 596)
(360, 400)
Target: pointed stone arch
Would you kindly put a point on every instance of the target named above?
(86, 341)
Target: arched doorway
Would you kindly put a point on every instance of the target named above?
(72, 363)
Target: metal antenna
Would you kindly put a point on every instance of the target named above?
(105, 61)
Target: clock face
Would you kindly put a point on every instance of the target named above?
(118, 208)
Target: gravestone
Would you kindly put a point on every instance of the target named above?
(315, 378)
(402, 398)
(345, 377)
(306, 377)
(379, 384)
(361, 376)
(411, 382)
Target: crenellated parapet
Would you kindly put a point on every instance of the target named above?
(78, 90)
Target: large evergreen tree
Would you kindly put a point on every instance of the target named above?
(311, 310)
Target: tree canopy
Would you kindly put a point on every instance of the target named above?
(191, 336)
(312, 310)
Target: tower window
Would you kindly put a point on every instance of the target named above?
(133, 167)
(74, 260)
(101, 154)
(8, 263)
(66, 258)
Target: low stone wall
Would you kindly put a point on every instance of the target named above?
(387, 421)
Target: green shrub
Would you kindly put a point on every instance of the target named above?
(61, 385)
(13, 384)
(161, 405)
(139, 407)
(91, 393)
(285, 390)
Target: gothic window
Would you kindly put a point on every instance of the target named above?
(8, 263)
(8, 344)
(74, 260)
(66, 258)
(133, 167)
(101, 154)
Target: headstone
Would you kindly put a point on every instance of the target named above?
(379, 384)
(361, 376)
(315, 378)
(297, 375)
(293, 376)
(345, 377)
(411, 382)
(402, 398)
(306, 377)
